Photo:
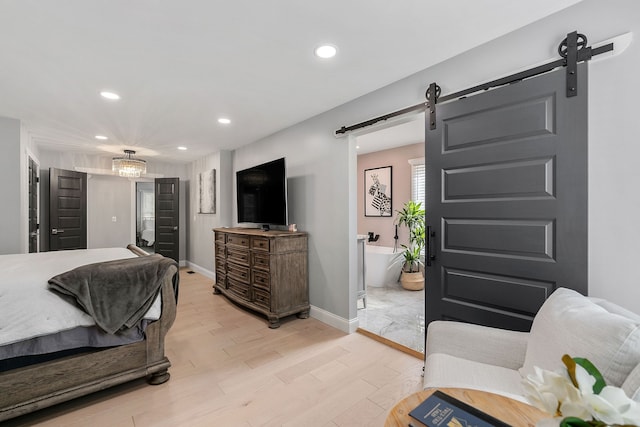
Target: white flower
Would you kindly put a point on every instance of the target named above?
(584, 379)
(612, 406)
(554, 392)
(560, 396)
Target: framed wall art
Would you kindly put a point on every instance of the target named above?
(377, 192)
(207, 192)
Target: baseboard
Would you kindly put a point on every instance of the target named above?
(383, 340)
(345, 325)
(207, 273)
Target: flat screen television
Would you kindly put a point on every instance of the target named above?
(262, 194)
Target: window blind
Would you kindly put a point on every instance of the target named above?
(417, 180)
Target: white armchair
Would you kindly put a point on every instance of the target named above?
(479, 357)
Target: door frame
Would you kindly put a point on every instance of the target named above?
(30, 155)
(133, 203)
(355, 198)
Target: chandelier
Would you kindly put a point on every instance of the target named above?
(129, 166)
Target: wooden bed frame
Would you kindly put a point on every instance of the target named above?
(34, 387)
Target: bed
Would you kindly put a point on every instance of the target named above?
(148, 234)
(75, 372)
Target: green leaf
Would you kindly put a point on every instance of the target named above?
(578, 422)
(571, 363)
(593, 371)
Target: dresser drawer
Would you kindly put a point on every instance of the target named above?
(262, 298)
(260, 243)
(238, 272)
(238, 240)
(220, 237)
(238, 288)
(239, 256)
(221, 261)
(260, 260)
(261, 279)
(221, 278)
(221, 250)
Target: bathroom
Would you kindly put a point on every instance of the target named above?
(390, 168)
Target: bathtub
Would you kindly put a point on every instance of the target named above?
(377, 260)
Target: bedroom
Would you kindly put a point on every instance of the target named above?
(319, 164)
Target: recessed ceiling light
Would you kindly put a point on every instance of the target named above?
(110, 95)
(182, 148)
(101, 137)
(326, 51)
(224, 121)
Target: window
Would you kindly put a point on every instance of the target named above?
(147, 208)
(417, 180)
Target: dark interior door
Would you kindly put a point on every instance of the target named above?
(67, 209)
(33, 206)
(167, 217)
(506, 181)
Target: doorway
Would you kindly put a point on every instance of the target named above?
(34, 200)
(385, 310)
(145, 216)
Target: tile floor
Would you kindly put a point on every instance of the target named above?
(394, 313)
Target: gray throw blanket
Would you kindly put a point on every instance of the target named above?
(116, 293)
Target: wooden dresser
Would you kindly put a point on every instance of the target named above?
(265, 271)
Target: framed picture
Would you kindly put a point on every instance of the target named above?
(207, 192)
(377, 191)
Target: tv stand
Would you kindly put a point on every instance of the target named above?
(265, 271)
(265, 227)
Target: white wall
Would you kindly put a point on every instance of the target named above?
(318, 164)
(10, 165)
(614, 180)
(200, 226)
(108, 198)
(317, 196)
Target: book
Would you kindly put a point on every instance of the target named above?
(442, 410)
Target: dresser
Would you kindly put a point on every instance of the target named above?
(265, 271)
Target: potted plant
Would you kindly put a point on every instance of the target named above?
(412, 216)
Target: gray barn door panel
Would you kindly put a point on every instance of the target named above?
(506, 180)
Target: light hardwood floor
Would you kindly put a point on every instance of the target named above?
(230, 369)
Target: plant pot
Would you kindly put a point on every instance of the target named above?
(412, 281)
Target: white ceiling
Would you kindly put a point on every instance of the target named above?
(397, 135)
(180, 64)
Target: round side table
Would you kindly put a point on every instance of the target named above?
(510, 411)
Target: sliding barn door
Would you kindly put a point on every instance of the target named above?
(507, 201)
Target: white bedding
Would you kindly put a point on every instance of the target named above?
(149, 236)
(149, 231)
(29, 309)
